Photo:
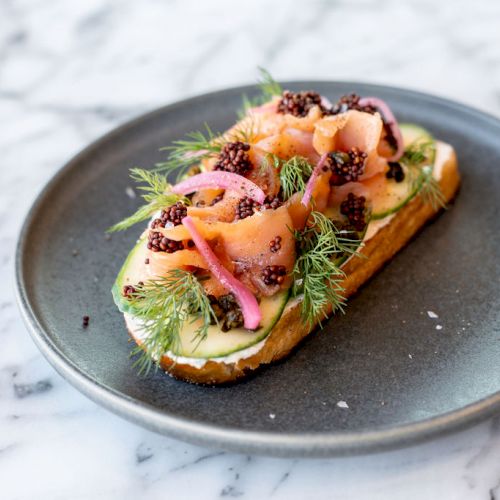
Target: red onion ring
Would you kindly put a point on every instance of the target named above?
(312, 180)
(220, 180)
(252, 315)
(389, 120)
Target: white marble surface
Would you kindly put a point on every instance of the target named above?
(72, 70)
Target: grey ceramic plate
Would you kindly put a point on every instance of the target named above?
(402, 378)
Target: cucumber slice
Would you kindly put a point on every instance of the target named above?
(392, 196)
(132, 271)
(217, 343)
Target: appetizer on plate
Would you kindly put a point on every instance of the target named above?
(270, 227)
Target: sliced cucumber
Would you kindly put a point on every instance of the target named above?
(412, 133)
(392, 195)
(132, 271)
(219, 343)
(395, 195)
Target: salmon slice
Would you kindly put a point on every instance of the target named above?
(289, 143)
(352, 129)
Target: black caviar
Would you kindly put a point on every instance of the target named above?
(346, 166)
(299, 103)
(274, 275)
(275, 244)
(353, 207)
(272, 203)
(246, 208)
(234, 158)
(227, 311)
(351, 101)
(159, 243)
(130, 291)
(173, 214)
(395, 172)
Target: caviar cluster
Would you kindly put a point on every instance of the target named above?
(159, 243)
(353, 207)
(346, 167)
(234, 158)
(272, 203)
(173, 215)
(274, 275)
(299, 103)
(275, 244)
(227, 311)
(395, 172)
(246, 208)
(350, 101)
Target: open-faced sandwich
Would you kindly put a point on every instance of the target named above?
(270, 227)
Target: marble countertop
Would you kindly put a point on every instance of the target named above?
(72, 70)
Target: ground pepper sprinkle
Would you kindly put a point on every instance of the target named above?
(85, 321)
(234, 158)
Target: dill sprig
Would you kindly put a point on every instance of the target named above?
(268, 88)
(293, 175)
(163, 306)
(156, 195)
(431, 190)
(184, 153)
(317, 275)
(245, 131)
(418, 158)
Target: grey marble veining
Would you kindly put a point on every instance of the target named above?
(72, 70)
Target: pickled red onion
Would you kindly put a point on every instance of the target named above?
(220, 180)
(389, 120)
(312, 180)
(252, 315)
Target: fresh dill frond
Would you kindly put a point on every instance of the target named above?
(156, 195)
(431, 190)
(418, 153)
(317, 276)
(162, 307)
(418, 158)
(184, 153)
(293, 175)
(268, 88)
(246, 131)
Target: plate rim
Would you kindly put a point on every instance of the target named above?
(237, 440)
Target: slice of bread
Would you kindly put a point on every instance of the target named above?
(290, 330)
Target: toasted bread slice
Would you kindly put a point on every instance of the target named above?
(290, 330)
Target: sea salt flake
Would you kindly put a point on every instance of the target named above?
(342, 404)
(432, 314)
(272, 416)
(410, 356)
(439, 327)
(130, 192)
